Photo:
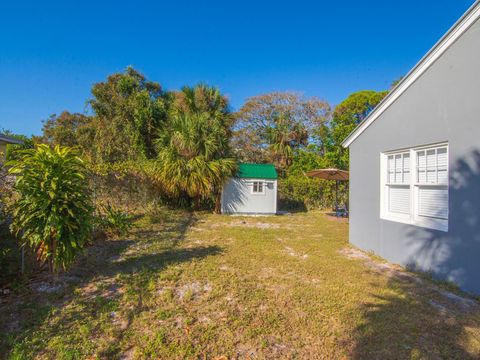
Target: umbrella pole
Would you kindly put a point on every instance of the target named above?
(336, 193)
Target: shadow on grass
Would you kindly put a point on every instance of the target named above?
(412, 322)
(173, 229)
(92, 289)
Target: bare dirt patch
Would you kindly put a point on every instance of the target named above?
(248, 224)
(192, 290)
(293, 253)
(446, 301)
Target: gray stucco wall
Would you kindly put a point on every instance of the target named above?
(237, 197)
(442, 105)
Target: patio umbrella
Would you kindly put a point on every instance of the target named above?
(330, 174)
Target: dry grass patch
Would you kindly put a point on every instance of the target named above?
(201, 286)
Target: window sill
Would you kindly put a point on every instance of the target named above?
(427, 223)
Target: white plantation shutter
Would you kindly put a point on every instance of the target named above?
(391, 170)
(398, 169)
(442, 166)
(421, 167)
(433, 202)
(431, 167)
(406, 168)
(399, 199)
(398, 178)
(416, 187)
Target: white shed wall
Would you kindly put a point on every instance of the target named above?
(237, 197)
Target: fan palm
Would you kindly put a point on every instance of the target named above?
(193, 155)
(202, 99)
(284, 138)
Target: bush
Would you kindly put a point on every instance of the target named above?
(113, 221)
(298, 192)
(53, 212)
(130, 185)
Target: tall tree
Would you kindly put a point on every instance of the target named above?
(69, 129)
(270, 127)
(195, 156)
(201, 99)
(129, 113)
(346, 117)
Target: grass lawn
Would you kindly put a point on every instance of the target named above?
(205, 286)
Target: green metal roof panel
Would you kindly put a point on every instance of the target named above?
(257, 171)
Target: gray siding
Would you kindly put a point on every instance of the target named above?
(442, 105)
(237, 197)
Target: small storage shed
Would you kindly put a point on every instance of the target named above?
(253, 191)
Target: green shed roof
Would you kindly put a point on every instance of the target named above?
(257, 171)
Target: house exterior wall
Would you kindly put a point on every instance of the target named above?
(237, 197)
(442, 105)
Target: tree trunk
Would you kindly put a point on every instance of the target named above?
(197, 202)
(218, 202)
(53, 250)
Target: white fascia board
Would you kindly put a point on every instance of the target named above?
(462, 25)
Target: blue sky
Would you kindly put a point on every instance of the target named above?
(51, 52)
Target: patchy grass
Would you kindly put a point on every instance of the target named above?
(205, 286)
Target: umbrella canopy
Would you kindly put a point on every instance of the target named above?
(329, 174)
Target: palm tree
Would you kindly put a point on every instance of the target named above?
(284, 137)
(193, 155)
(202, 98)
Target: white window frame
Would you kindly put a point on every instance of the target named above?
(259, 183)
(412, 218)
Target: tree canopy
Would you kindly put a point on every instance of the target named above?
(193, 140)
(69, 129)
(128, 113)
(346, 117)
(194, 156)
(270, 127)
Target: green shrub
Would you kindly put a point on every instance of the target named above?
(113, 221)
(297, 192)
(53, 211)
(300, 192)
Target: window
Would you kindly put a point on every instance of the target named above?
(258, 187)
(419, 199)
(398, 183)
